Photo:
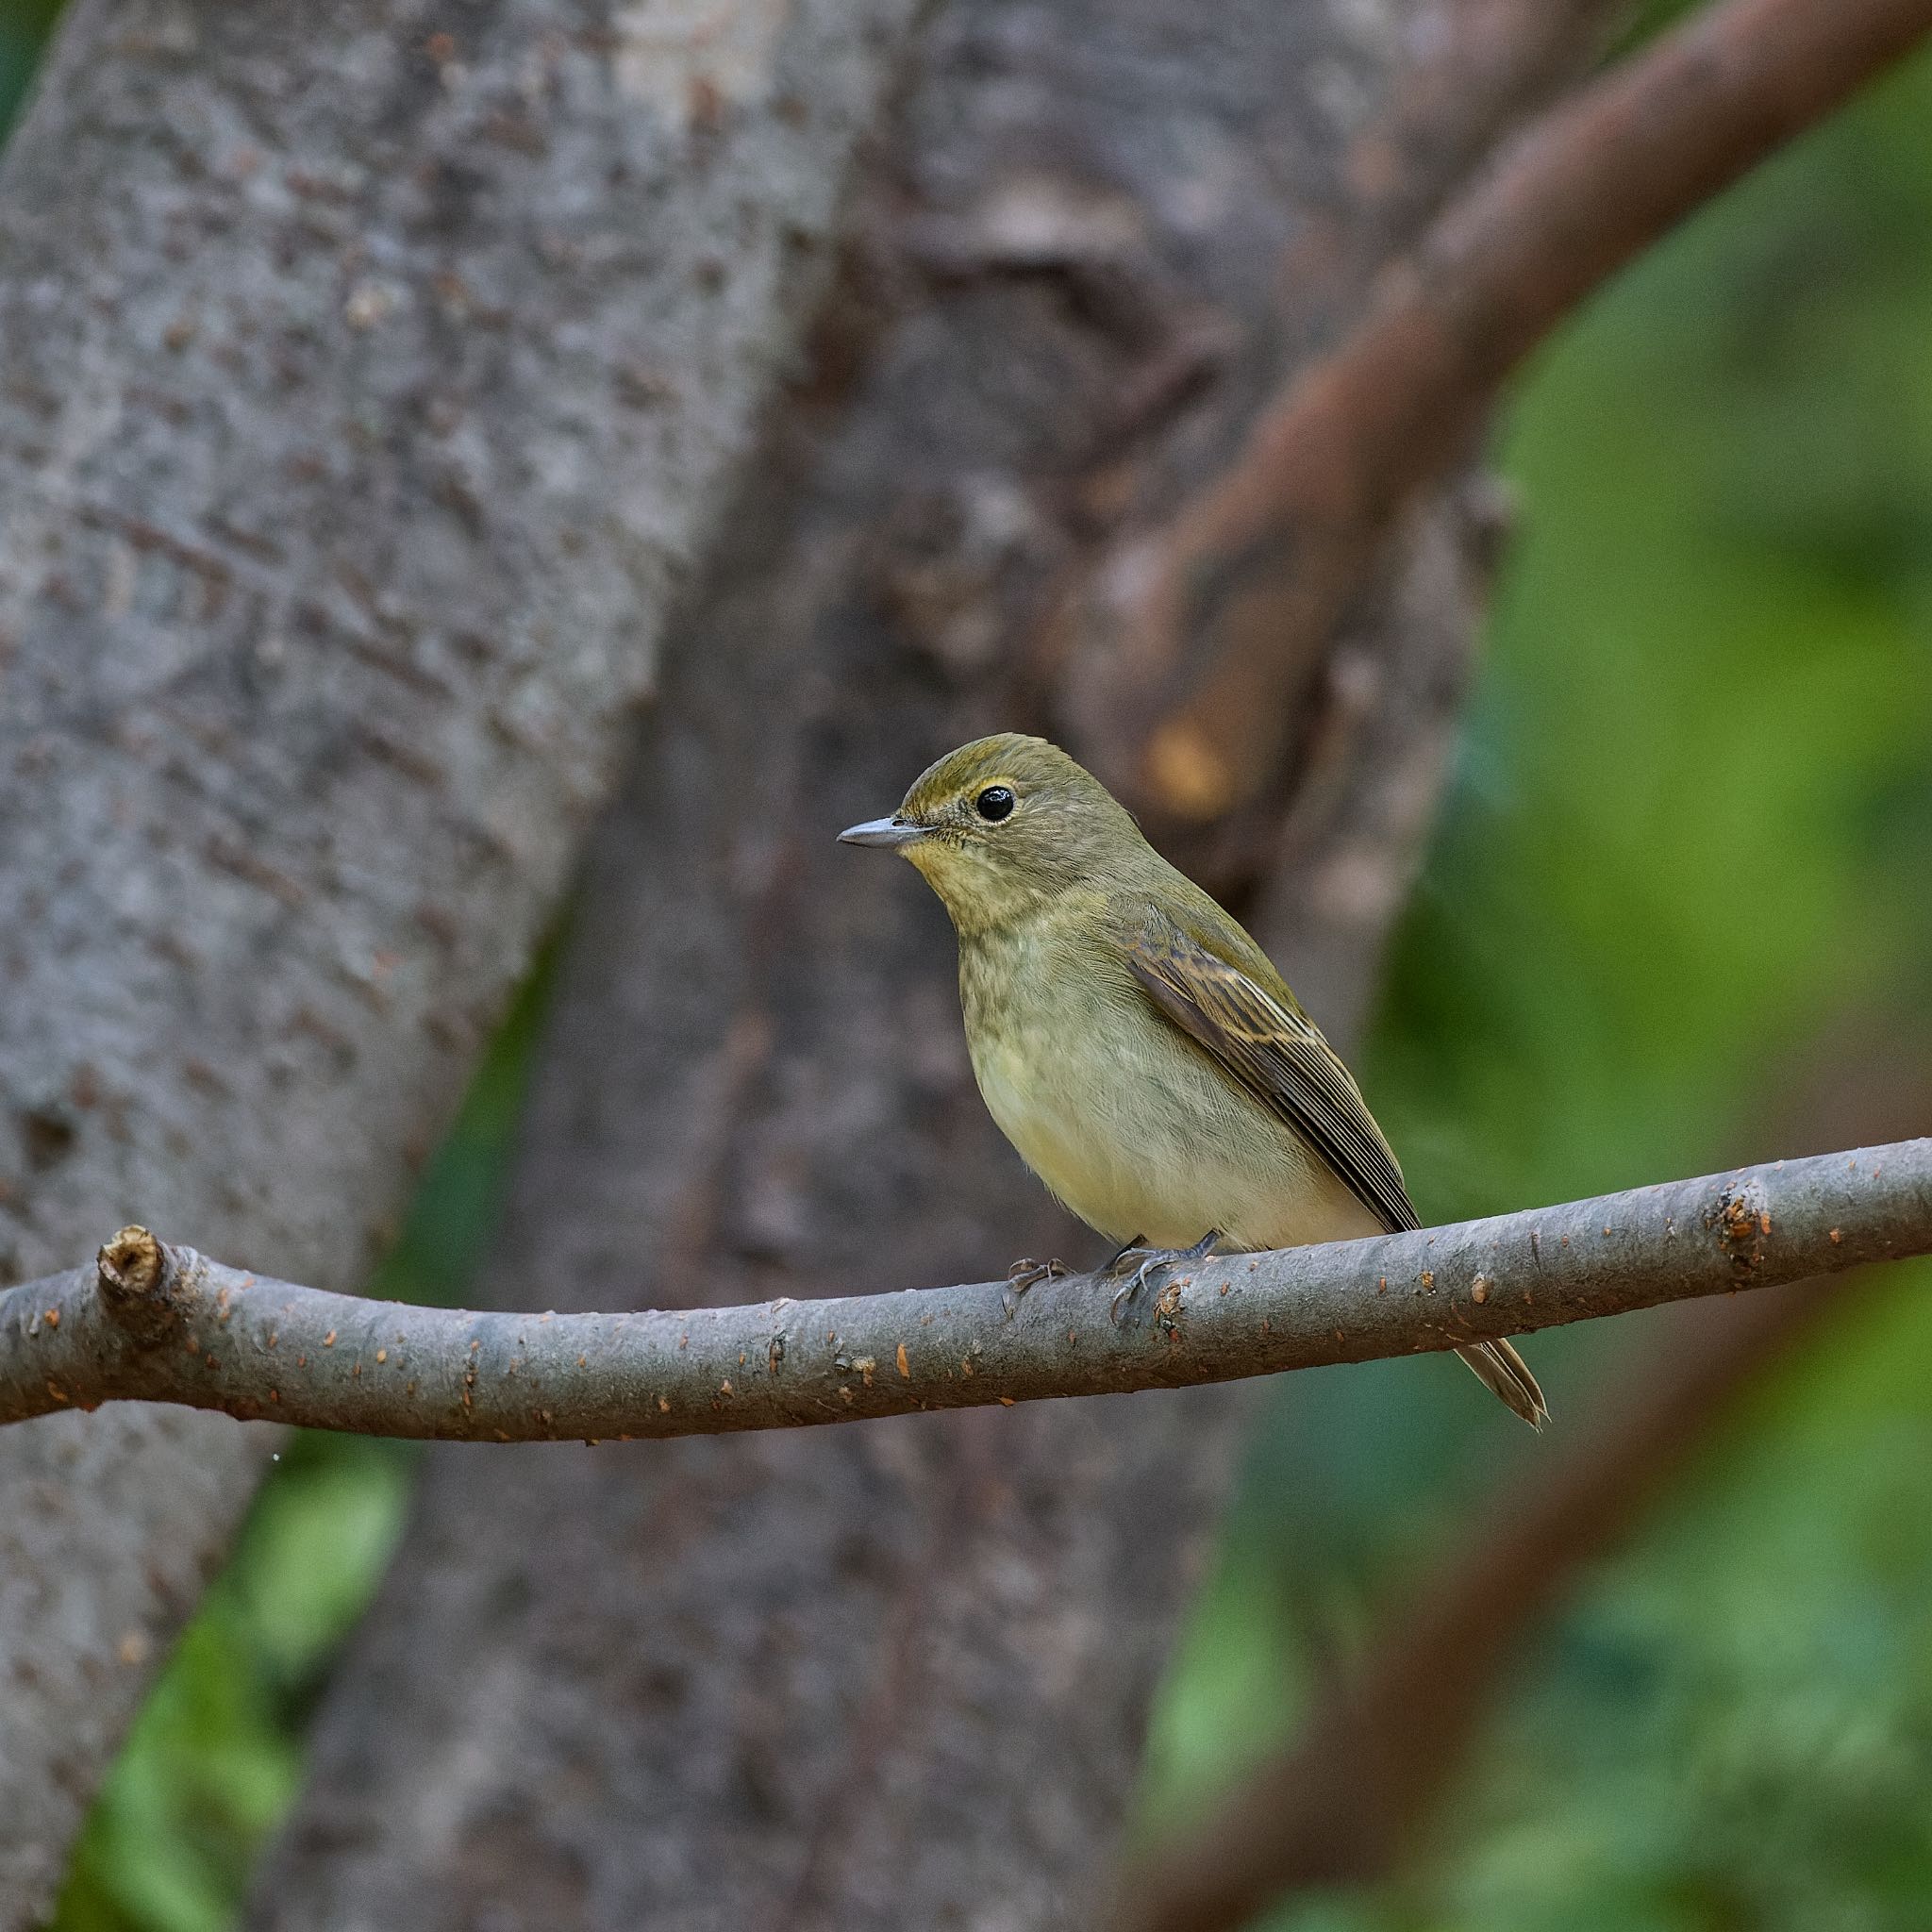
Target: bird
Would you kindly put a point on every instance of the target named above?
(1133, 1042)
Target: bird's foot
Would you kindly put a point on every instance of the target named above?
(1024, 1273)
(1149, 1262)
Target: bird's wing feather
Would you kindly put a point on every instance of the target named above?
(1276, 1052)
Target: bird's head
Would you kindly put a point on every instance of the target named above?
(1004, 825)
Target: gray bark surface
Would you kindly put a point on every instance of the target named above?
(214, 1337)
(370, 369)
(895, 1674)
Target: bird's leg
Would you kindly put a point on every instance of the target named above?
(1152, 1261)
(1021, 1275)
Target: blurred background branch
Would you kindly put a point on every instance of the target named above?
(1194, 642)
(1387, 1740)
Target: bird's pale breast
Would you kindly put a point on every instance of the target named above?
(1127, 1121)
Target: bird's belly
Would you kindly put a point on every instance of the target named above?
(1163, 1148)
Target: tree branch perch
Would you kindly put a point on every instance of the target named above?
(159, 1323)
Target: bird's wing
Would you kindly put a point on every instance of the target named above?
(1277, 1052)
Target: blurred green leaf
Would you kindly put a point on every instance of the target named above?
(24, 26)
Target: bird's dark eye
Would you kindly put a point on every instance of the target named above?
(995, 803)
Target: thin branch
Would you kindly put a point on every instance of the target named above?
(1197, 636)
(156, 1324)
(1384, 1744)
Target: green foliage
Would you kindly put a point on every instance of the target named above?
(24, 28)
(1676, 914)
(1737, 1718)
(216, 1756)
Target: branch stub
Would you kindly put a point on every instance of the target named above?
(136, 1279)
(131, 1265)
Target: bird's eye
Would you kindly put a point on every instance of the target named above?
(995, 803)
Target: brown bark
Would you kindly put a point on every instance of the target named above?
(896, 1675)
(369, 367)
(1195, 637)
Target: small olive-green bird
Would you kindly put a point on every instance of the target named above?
(1132, 1042)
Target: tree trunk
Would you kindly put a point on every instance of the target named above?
(890, 1675)
(370, 367)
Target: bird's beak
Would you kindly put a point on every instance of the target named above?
(888, 833)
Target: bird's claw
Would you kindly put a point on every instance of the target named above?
(1026, 1270)
(1156, 1258)
(1023, 1274)
(1152, 1261)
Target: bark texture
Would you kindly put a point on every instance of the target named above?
(195, 1331)
(1198, 635)
(895, 1675)
(370, 367)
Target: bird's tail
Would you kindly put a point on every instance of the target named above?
(1503, 1372)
